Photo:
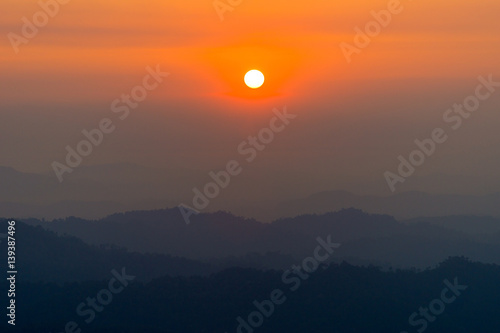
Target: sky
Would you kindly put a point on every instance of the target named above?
(354, 118)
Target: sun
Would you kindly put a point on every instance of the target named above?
(254, 79)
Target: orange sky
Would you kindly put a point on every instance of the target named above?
(293, 42)
(355, 117)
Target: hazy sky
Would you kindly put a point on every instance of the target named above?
(354, 119)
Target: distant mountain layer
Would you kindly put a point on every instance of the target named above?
(401, 205)
(94, 192)
(222, 237)
(41, 255)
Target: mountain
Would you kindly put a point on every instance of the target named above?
(462, 297)
(91, 191)
(223, 237)
(41, 255)
(404, 205)
(96, 191)
(470, 224)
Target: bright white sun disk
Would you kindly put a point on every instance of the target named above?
(254, 79)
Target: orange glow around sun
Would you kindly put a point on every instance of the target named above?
(226, 65)
(295, 45)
